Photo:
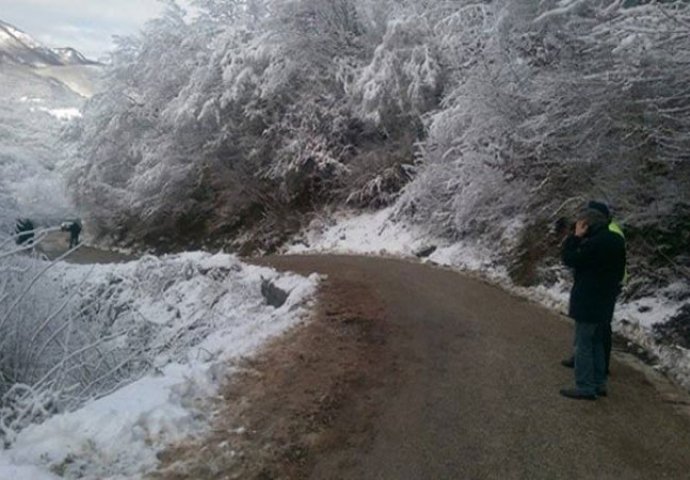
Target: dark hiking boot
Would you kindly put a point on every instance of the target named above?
(568, 362)
(577, 395)
(601, 392)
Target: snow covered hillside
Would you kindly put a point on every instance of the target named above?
(241, 122)
(42, 91)
(103, 366)
(18, 47)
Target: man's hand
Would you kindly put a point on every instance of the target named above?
(581, 228)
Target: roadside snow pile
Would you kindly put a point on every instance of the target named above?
(369, 233)
(380, 233)
(657, 324)
(129, 356)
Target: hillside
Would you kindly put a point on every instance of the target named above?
(20, 48)
(468, 116)
(19, 52)
(42, 90)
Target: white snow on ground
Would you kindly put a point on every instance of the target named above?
(369, 233)
(204, 313)
(380, 233)
(26, 99)
(64, 114)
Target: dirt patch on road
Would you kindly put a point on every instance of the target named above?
(312, 391)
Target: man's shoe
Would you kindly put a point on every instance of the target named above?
(568, 363)
(602, 393)
(577, 395)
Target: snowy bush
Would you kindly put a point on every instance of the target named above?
(553, 104)
(248, 100)
(70, 334)
(9, 210)
(404, 78)
(33, 338)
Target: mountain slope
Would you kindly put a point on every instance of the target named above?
(18, 47)
(70, 56)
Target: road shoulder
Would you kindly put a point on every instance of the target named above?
(312, 392)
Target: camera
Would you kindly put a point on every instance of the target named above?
(563, 226)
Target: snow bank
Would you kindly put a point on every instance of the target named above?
(369, 233)
(188, 318)
(63, 114)
(381, 233)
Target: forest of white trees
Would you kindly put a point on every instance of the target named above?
(250, 114)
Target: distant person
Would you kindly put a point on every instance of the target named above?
(608, 332)
(25, 231)
(74, 229)
(597, 256)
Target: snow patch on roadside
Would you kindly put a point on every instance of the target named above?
(369, 233)
(62, 114)
(381, 233)
(199, 314)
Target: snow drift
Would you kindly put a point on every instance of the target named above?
(105, 365)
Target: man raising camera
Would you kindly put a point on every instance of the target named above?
(597, 256)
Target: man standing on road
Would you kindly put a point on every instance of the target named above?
(74, 229)
(608, 334)
(25, 231)
(597, 256)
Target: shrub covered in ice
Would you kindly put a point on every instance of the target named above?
(73, 334)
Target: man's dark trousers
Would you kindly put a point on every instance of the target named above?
(590, 357)
(608, 344)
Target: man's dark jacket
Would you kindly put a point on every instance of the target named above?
(598, 260)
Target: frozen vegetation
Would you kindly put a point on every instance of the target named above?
(253, 111)
(31, 119)
(103, 366)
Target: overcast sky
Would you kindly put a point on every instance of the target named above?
(87, 25)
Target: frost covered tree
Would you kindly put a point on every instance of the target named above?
(254, 110)
(568, 97)
(249, 110)
(127, 168)
(556, 102)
